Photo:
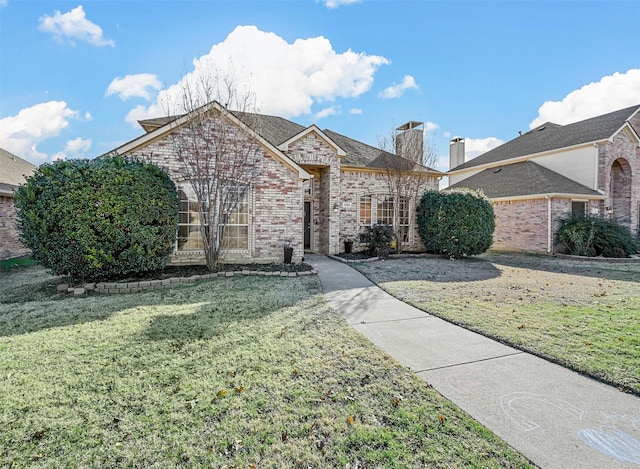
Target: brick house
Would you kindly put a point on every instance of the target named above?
(540, 178)
(314, 187)
(12, 173)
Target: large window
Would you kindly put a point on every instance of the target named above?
(382, 209)
(234, 222)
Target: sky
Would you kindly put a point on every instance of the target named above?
(76, 76)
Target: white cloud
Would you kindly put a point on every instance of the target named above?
(395, 91)
(87, 116)
(286, 78)
(134, 86)
(73, 26)
(76, 148)
(4, 3)
(611, 93)
(21, 134)
(328, 111)
(430, 126)
(477, 146)
(336, 3)
(355, 111)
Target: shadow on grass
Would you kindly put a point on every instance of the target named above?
(612, 270)
(222, 300)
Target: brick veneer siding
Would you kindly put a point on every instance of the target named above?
(356, 184)
(313, 152)
(10, 245)
(624, 148)
(276, 207)
(523, 225)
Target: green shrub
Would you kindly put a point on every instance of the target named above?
(98, 219)
(595, 236)
(455, 224)
(380, 242)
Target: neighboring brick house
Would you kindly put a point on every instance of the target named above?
(540, 178)
(12, 173)
(314, 187)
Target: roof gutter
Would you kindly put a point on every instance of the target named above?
(549, 222)
(549, 196)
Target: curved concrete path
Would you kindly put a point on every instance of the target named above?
(554, 416)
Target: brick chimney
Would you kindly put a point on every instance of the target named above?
(456, 152)
(410, 141)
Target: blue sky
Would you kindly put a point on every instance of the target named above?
(75, 76)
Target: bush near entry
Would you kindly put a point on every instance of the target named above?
(586, 235)
(456, 223)
(98, 219)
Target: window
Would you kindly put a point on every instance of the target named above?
(365, 218)
(385, 209)
(189, 237)
(381, 209)
(235, 222)
(404, 217)
(578, 208)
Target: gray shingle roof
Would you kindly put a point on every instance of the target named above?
(13, 169)
(522, 179)
(277, 130)
(551, 136)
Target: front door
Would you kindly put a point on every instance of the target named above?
(307, 226)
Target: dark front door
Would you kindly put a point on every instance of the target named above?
(307, 225)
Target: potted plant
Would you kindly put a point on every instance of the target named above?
(348, 244)
(288, 251)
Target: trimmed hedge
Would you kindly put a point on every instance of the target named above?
(455, 224)
(381, 237)
(590, 236)
(99, 219)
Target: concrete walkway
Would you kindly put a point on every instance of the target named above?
(555, 417)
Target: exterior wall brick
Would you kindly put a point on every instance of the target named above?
(626, 184)
(276, 206)
(10, 245)
(521, 225)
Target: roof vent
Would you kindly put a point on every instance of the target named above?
(497, 170)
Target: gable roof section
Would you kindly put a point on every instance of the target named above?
(13, 170)
(365, 156)
(549, 136)
(279, 131)
(167, 124)
(524, 179)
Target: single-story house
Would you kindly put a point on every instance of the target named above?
(13, 171)
(540, 178)
(316, 188)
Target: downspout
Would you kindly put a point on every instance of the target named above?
(548, 224)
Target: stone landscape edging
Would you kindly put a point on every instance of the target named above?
(375, 259)
(140, 286)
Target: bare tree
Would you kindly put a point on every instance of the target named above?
(214, 142)
(407, 162)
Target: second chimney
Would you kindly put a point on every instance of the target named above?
(456, 152)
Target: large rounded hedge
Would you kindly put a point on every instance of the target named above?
(590, 236)
(456, 223)
(98, 219)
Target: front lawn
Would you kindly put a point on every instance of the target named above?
(236, 372)
(582, 314)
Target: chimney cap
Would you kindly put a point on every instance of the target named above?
(456, 140)
(410, 125)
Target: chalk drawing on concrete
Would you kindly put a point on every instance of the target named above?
(508, 403)
(613, 441)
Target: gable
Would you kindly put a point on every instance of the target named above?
(549, 137)
(172, 124)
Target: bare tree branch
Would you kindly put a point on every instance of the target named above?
(218, 155)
